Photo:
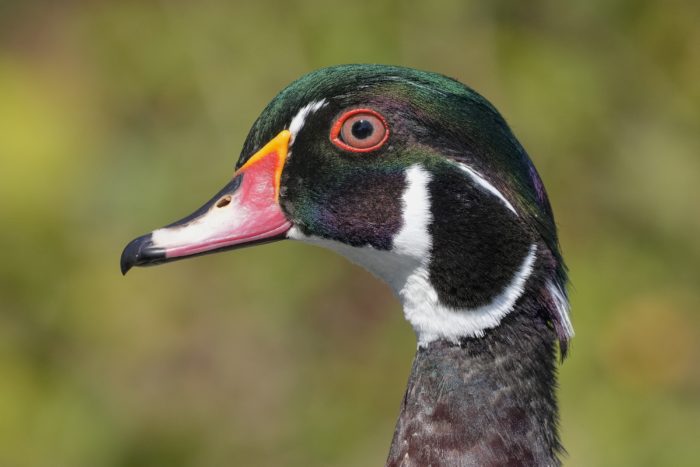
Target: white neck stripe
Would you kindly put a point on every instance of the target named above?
(433, 320)
(485, 184)
(562, 307)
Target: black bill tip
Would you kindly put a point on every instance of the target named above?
(141, 252)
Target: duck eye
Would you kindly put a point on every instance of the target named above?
(360, 130)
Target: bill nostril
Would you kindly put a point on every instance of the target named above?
(225, 201)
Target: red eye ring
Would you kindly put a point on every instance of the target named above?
(336, 135)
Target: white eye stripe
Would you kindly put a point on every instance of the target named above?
(486, 185)
(299, 119)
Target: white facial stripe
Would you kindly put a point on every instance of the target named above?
(300, 118)
(562, 306)
(406, 269)
(413, 239)
(411, 245)
(485, 184)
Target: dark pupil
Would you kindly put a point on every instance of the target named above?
(362, 129)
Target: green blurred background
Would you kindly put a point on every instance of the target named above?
(117, 117)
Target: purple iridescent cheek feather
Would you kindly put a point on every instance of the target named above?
(539, 186)
(427, 188)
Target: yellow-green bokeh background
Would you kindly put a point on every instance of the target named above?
(117, 117)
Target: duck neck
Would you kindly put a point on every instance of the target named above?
(484, 401)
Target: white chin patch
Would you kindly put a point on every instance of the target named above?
(406, 269)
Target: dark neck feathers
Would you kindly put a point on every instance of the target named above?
(488, 401)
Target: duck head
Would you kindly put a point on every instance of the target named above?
(409, 174)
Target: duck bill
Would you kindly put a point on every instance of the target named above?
(245, 212)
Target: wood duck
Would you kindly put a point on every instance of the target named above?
(419, 179)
